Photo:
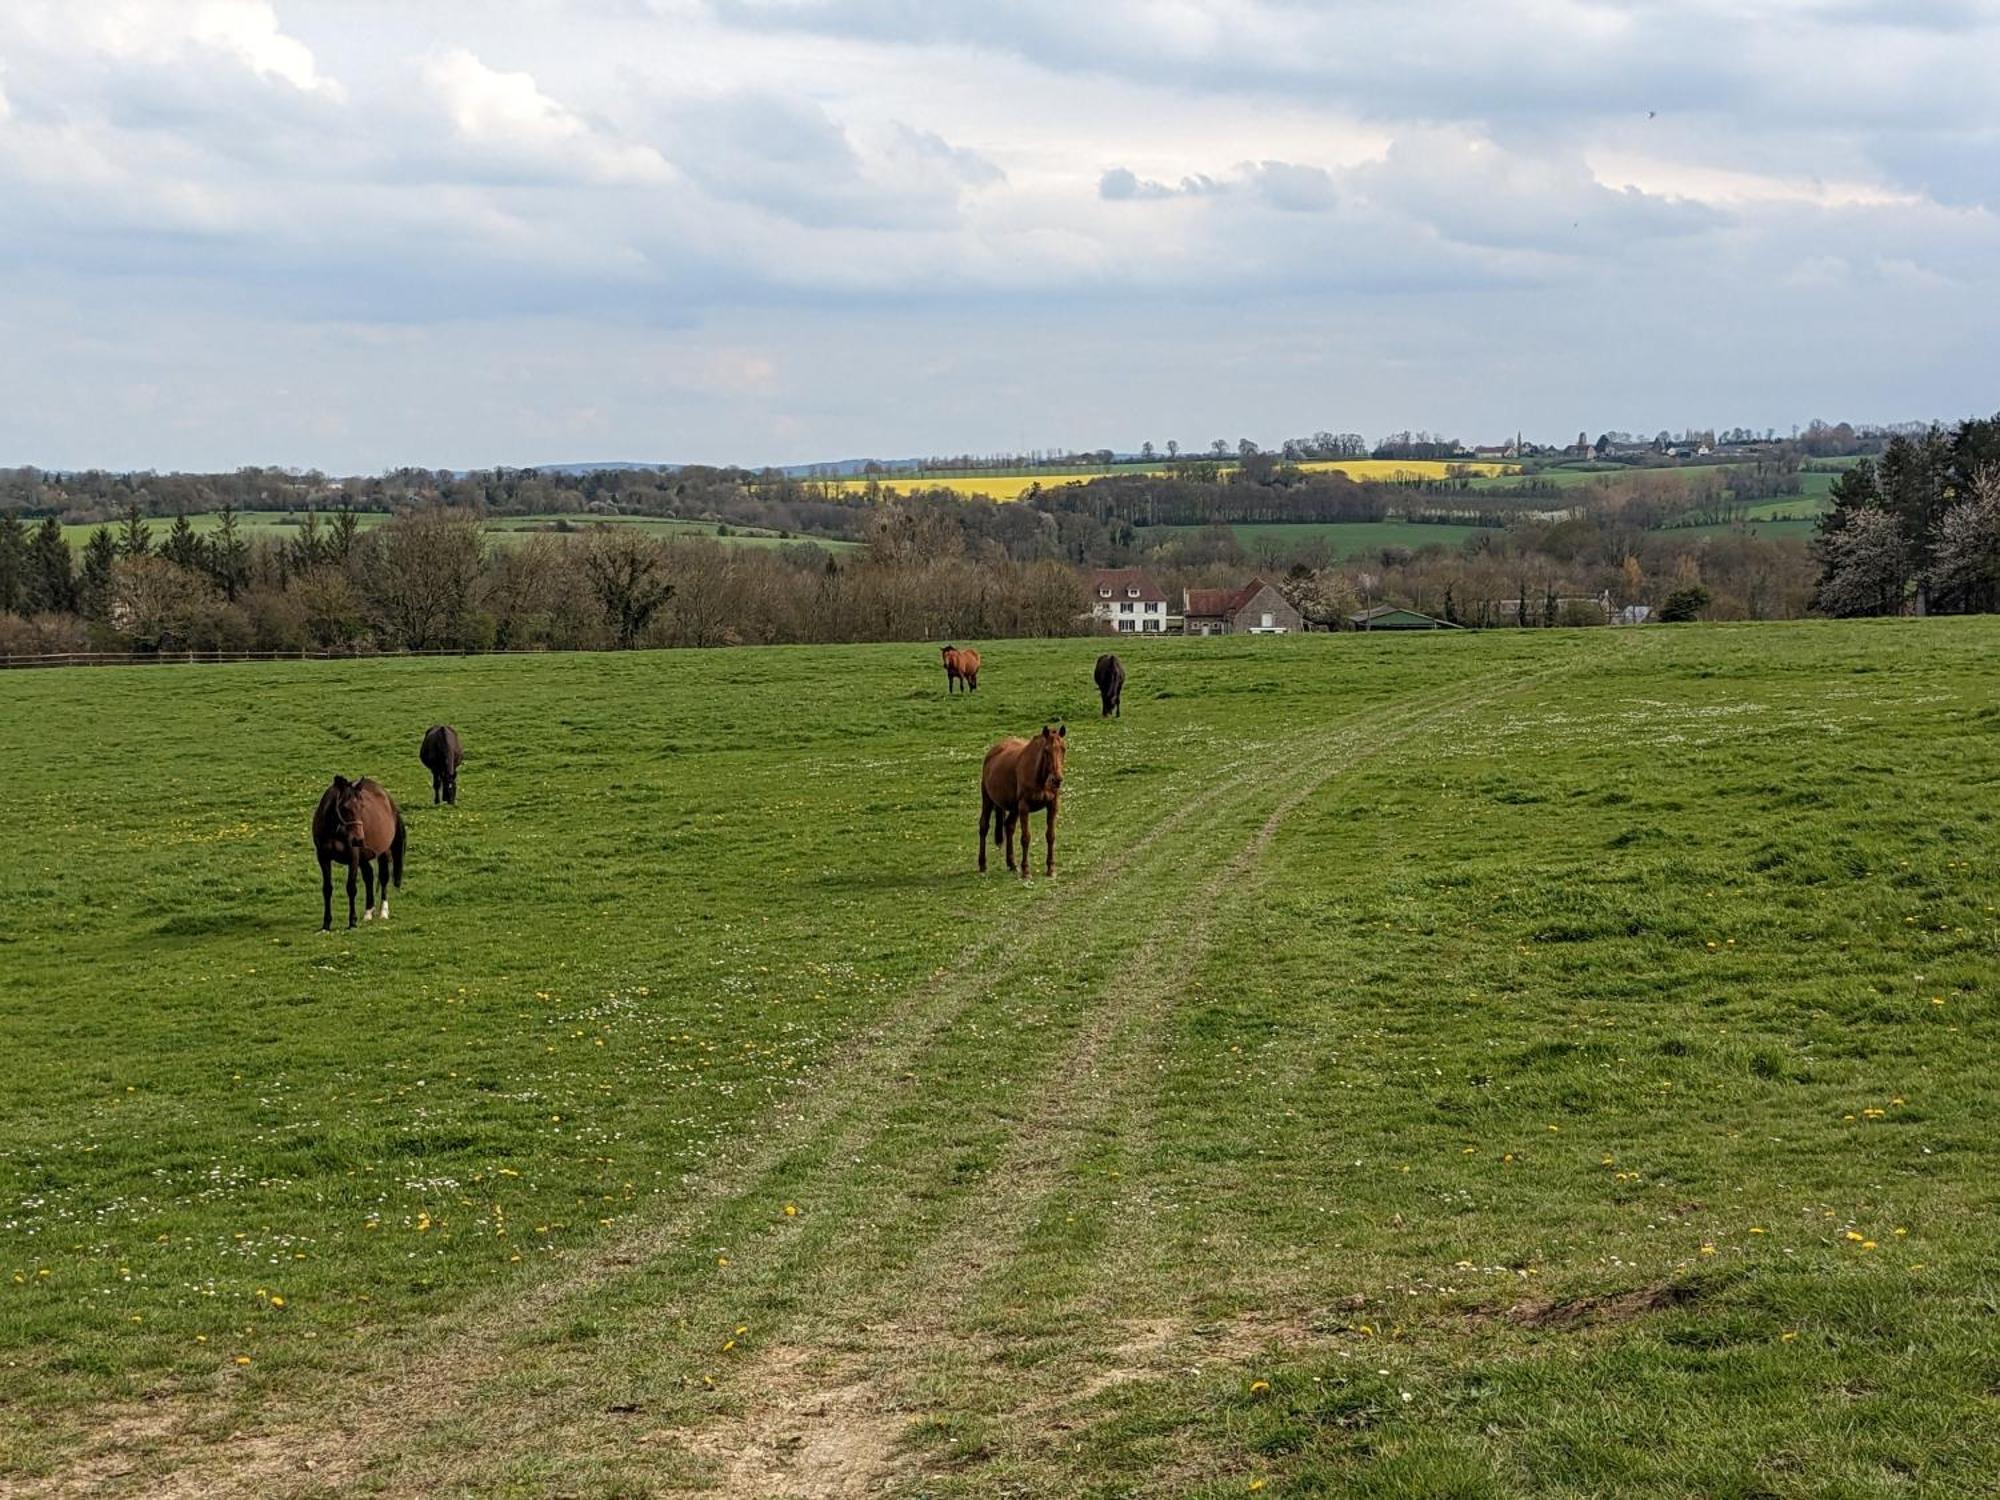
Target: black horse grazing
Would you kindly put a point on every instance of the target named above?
(442, 755)
(357, 823)
(1110, 683)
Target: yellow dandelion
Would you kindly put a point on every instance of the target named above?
(1867, 1244)
(1256, 1484)
(277, 1302)
(1708, 1249)
(791, 1210)
(1787, 1336)
(1755, 1230)
(1258, 1387)
(243, 1359)
(722, 1260)
(1901, 1233)
(1854, 1236)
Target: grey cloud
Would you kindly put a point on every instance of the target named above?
(1121, 185)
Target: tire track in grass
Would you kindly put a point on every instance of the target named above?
(839, 1113)
(834, 1427)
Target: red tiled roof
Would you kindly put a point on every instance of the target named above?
(1219, 603)
(1119, 580)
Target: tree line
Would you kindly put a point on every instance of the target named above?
(1917, 531)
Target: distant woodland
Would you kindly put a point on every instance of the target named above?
(404, 560)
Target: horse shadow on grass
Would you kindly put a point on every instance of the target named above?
(939, 881)
(194, 924)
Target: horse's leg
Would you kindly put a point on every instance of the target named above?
(437, 789)
(1052, 841)
(985, 824)
(382, 883)
(1023, 818)
(350, 892)
(326, 893)
(1006, 817)
(367, 889)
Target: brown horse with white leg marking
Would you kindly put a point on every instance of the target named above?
(357, 824)
(1021, 777)
(961, 666)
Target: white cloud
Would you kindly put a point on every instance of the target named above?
(165, 33)
(506, 119)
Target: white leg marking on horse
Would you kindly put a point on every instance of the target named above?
(385, 908)
(367, 913)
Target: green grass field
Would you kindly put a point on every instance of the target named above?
(1344, 539)
(285, 524)
(1538, 1064)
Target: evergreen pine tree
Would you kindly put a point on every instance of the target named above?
(52, 582)
(100, 558)
(13, 563)
(136, 537)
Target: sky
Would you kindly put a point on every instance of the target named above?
(353, 234)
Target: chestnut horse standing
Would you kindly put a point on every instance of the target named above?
(1021, 776)
(357, 823)
(961, 666)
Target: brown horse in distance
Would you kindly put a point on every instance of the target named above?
(442, 755)
(357, 824)
(1111, 684)
(1020, 777)
(961, 666)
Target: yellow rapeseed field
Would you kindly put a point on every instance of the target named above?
(1013, 487)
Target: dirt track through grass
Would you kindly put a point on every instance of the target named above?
(823, 1405)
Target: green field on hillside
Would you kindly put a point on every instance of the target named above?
(1551, 1063)
(1344, 539)
(285, 524)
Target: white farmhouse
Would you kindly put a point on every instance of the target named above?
(1128, 601)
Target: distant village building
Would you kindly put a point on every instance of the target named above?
(1255, 609)
(1389, 617)
(1128, 601)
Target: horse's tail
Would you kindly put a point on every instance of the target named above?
(396, 852)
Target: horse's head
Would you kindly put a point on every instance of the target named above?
(347, 810)
(1054, 745)
(950, 652)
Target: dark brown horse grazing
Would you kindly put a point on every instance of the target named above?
(1110, 683)
(1021, 776)
(961, 666)
(357, 824)
(442, 755)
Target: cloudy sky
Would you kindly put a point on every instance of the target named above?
(357, 233)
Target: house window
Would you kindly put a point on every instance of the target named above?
(1132, 593)
(1104, 593)
(1125, 609)
(1152, 624)
(1124, 624)
(1269, 619)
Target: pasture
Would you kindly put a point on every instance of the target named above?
(1344, 540)
(285, 524)
(1555, 1063)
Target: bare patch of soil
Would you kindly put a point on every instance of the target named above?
(1611, 1307)
(807, 1435)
